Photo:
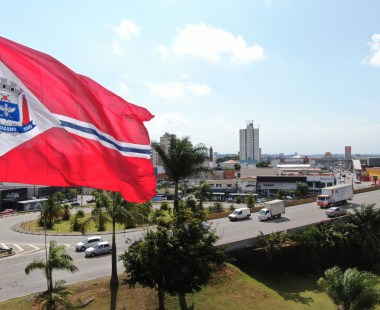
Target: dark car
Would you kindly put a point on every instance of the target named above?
(91, 200)
(75, 204)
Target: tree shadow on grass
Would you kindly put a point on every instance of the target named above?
(288, 285)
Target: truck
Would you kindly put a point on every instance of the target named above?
(272, 209)
(335, 195)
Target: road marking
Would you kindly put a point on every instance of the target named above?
(4, 246)
(19, 248)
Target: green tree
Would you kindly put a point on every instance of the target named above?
(271, 245)
(203, 192)
(111, 207)
(375, 178)
(181, 161)
(57, 259)
(280, 193)
(66, 212)
(351, 290)
(262, 164)
(366, 219)
(302, 189)
(177, 258)
(250, 201)
(74, 193)
(57, 299)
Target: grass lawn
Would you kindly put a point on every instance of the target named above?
(229, 289)
(64, 226)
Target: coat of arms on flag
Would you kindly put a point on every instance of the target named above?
(14, 111)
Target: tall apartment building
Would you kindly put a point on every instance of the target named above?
(249, 149)
(165, 144)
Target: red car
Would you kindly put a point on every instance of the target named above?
(7, 211)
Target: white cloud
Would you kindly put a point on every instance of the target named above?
(375, 50)
(211, 43)
(199, 89)
(167, 90)
(124, 89)
(162, 51)
(127, 29)
(116, 48)
(171, 119)
(176, 89)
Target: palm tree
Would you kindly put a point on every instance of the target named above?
(111, 207)
(58, 297)
(203, 192)
(351, 290)
(367, 222)
(57, 259)
(181, 161)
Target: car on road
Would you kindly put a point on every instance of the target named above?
(7, 211)
(88, 242)
(335, 211)
(99, 248)
(238, 214)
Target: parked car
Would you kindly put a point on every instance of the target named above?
(335, 211)
(262, 200)
(7, 211)
(75, 204)
(88, 242)
(97, 249)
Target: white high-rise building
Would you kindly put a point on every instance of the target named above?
(249, 143)
(165, 144)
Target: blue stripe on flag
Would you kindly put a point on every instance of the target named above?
(103, 138)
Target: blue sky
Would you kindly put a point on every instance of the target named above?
(307, 72)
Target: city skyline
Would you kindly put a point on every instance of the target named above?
(305, 72)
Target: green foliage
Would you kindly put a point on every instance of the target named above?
(227, 158)
(181, 161)
(281, 193)
(203, 192)
(351, 290)
(232, 207)
(216, 207)
(262, 165)
(80, 213)
(366, 220)
(75, 223)
(57, 259)
(302, 189)
(250, 201)
(238, 199)
(66, 212)
(56, 299)
(177, 258)
(237, 167)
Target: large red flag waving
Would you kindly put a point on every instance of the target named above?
(60, 128)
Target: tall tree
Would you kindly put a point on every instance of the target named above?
(113, 208)
(57, 259)
(181, 161)
(351, 290)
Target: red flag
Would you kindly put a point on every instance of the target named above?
(60, 128)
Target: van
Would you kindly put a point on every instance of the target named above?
(88, 242)
(241, 213)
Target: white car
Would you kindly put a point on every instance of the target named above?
(88, 242)
(241, 213)
(97, 249)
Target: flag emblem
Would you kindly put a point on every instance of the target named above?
(14, 110)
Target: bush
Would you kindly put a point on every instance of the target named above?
(75, 224)
(80, 214)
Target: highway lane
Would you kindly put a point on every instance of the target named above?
(14, 282)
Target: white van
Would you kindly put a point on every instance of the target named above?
(241, 213)
(88, 242)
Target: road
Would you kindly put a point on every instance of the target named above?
(14, 282)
